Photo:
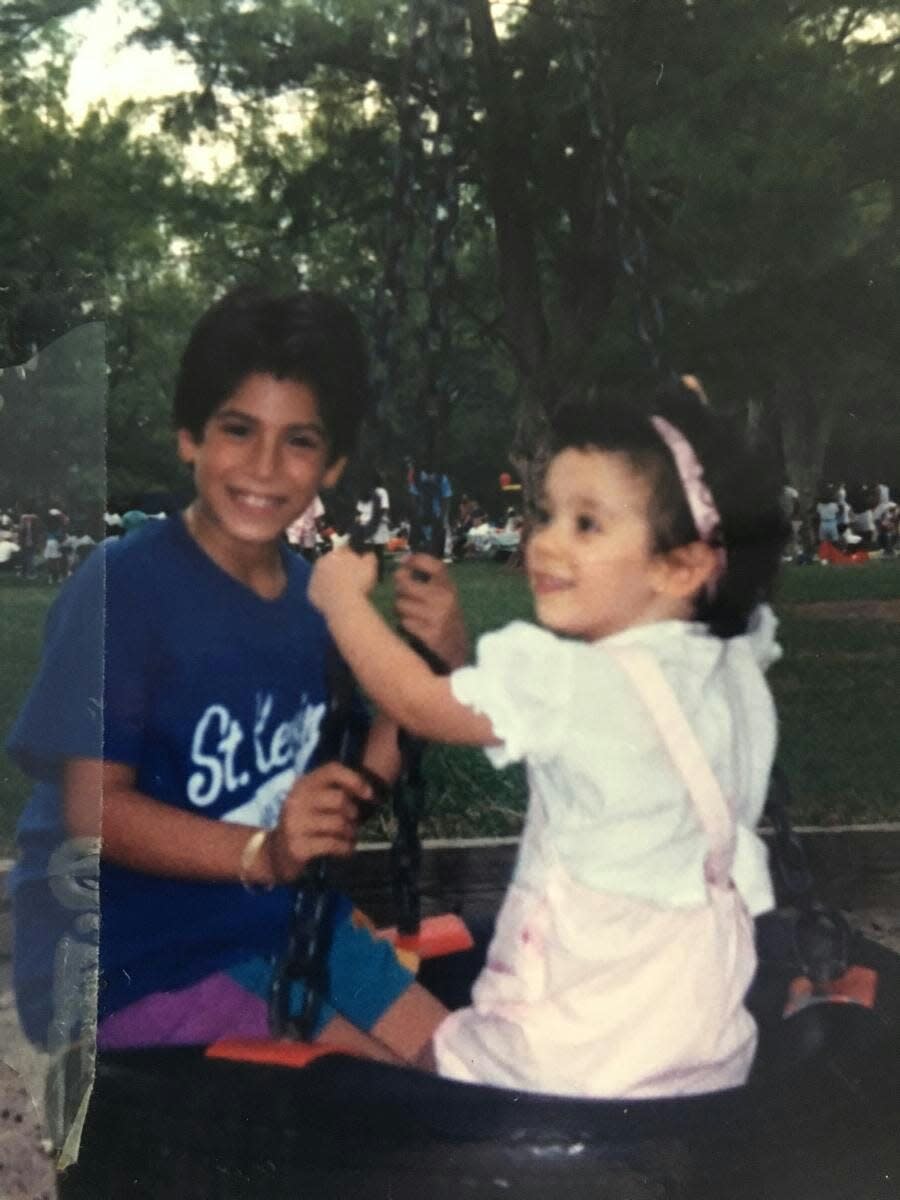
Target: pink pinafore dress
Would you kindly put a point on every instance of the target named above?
(599, 994)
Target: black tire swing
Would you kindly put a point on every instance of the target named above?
(817, 1120)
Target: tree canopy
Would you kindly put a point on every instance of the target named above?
(519, 199)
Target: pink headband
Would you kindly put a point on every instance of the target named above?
(700, 502)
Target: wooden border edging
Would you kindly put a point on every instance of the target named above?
(854, 866)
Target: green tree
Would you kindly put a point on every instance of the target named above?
(88, 217)
(780, 187)
(732, 161)
(52, 425)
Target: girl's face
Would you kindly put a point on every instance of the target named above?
(590, 561)
(262, 459)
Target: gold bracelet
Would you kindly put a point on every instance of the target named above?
(252, 848)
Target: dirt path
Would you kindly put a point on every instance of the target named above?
(847, 610)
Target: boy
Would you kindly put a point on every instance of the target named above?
(184, 681)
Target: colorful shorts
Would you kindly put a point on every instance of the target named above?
(365, 978)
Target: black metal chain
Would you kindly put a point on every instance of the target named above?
(426, 151)
(821, 933)
(409, 804)
(441, 59)
(591, 67)
(435, 30)
(305, 958)
(390, 301)
(425, 170)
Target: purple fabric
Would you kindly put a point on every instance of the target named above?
(214, 1008)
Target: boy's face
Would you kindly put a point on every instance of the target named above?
(261, 460)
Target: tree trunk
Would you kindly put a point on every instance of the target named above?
(806, 414)
(504, 163)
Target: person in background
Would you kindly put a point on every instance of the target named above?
(790, 506)
(133, 518)
(30, 536)
(862, 522)
(373, 517)
(465, 514)
(9, 547)
(827, 512)
(303, 534)
(431, 494)
(112, 523)
(885, 516)
(56, 525)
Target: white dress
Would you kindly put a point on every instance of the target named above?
(624, 946)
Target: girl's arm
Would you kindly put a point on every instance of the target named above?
(395, 677)
(426, 603)
(382, 752)
(319, 817)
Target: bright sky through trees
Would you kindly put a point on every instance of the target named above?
(105, 68)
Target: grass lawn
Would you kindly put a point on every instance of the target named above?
(836, 689)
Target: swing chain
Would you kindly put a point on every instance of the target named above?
(441, 54)
(429, 112)
(305, 958)
(309, 940)
(406, 848)
(390, 302)
(592, 67)
(426, 151)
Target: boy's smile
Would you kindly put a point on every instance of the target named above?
(261, 460)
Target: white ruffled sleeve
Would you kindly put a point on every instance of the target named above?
(761, 629)
(521, 681)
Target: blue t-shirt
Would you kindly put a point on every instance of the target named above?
(431, 491)
(157, 658)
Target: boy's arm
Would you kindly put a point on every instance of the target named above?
(395, 677)
(319, 817)
(427, 606)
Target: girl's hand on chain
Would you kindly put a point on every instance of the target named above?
(340, 575)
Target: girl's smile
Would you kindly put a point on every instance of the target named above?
(590, 561)
(542, 584)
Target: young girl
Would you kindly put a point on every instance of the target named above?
(624, 947)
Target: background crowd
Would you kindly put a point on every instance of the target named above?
(44, 543)
(847, 523)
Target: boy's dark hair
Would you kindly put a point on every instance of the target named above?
(743, 480)
(309, 337)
